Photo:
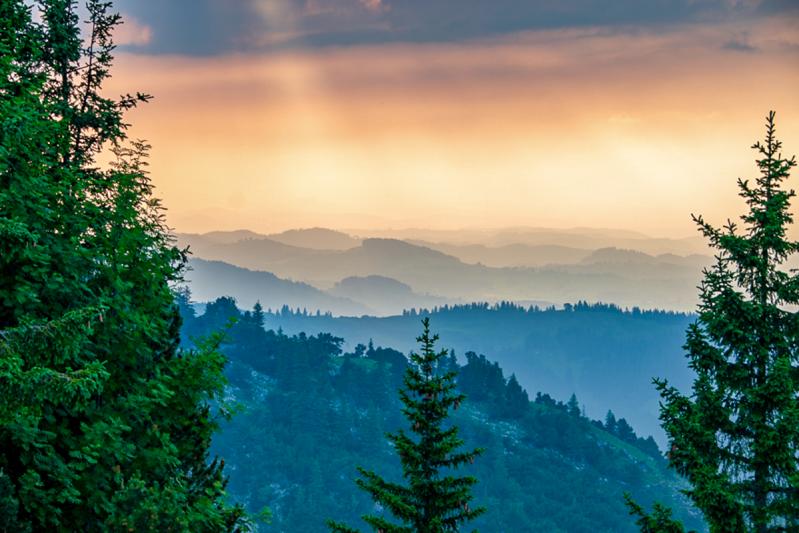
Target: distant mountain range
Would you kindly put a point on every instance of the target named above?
(382, 277)
(510, 255)
(317, 239)
(211, 279)
(386, 296)
(580, 238)
(385, 275)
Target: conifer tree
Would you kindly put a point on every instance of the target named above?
(432, 500)
(610, 422)
(736, 437)
(516, 400)
(573, 406)
(258, 316)
(659, 521)
(105, 423)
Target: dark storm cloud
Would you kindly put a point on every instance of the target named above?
(207, 27)
(195, 27)
(777, 7)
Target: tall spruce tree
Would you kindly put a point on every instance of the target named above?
(736, 437)
(433, 500)
(104, 423)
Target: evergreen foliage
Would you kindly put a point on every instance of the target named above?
(574, 406)
(736, 437)
(660, 521)
(432, 500)
(104, 423)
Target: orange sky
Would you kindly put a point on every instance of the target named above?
(577, 127)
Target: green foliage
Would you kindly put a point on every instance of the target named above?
(736, 437)
(26, 381)
(432, 500)
(660, 521)
(104, 423)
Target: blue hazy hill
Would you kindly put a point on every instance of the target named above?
(604, 354)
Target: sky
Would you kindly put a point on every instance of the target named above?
(446, 114)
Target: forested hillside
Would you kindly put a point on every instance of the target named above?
(606, 354)
(311, 411)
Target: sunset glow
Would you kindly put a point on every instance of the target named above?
(625, 127)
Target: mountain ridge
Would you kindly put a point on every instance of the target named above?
(208, 280)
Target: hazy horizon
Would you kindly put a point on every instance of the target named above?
(364, 232)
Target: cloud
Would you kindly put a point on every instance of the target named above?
(133, 33)
(561, 127)
(374, 5)
(213, 27)
(195, 27)
(775, 7)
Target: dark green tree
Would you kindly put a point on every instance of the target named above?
(610, 422)
(432, 500)
(105, 423)
(659, 521)
(736, 437)
(573, 406)
(258, 316)
(517, 403)
(624, 431)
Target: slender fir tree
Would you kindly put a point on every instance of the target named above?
(736, 437)
(432, 500)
